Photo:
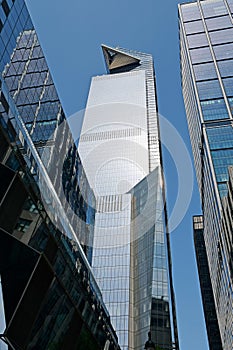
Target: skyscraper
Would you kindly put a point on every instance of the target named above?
(120, 150)
(206, 44)
(213, 332)
(38, 116)
(47, 283)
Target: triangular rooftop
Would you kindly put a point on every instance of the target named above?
(115, 58)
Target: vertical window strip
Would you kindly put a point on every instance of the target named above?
(215, 62)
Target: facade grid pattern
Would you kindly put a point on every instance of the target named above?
(120, 150)
(206, 40)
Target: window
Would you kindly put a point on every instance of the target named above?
(197, 40)
(30, 206)
(226, 68)
(218, 23)
(205, 71)
(190, 12)
(23, 225)
(214, 109)
(213, 8)
(228, 85)
(209, 89)
(223, 51)
(201, 55)
(194, 27)
(220, 137)
(2, 15)
(221, 36)
(5, 7)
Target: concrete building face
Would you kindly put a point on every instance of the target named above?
(206, 29)
(120, 150)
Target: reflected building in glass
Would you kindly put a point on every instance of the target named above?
(27, 84)
(120, 151)
(212, 327)
(206, 44)
(46, 224)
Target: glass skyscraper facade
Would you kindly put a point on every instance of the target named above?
(27, 85)
(206, 45)
(46, 224)
(212, 327)
(120, 151)
(228, 219)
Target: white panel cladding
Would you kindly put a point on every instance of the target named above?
(114, 139)
(118, 88)
(119, 147)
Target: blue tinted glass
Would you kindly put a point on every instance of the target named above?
(214, 109)
(18, 6)
(220, 137)
(10, 3)
(194, 27)
(6, 31)
(218, 23)
(222, 159)
(228, 85)
(226, 68)
(209, 89)
(2, 15)
(222, 36)
(205, 71)
(13, 17)
(197, 40)
(213, 8)
(230, 100)
(201, 55)
(190, 12)
(223, 51)
(223, 189)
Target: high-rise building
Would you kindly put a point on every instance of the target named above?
(120, 151)
(47, 283)
(212, 327)
(228, 219)
(206, 44)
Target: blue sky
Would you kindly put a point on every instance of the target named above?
(71, 32)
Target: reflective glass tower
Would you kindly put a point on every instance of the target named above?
(206, 44)
(212, 327)
(47, 282)
(30, 104)
(120, 150)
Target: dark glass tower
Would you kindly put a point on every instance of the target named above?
(37, 116)
(47, 284)
(206, 44)
(205, 283)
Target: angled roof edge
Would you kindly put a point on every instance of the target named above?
(115, 58)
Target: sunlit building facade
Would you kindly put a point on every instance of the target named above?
(206, 44)
(120, 151)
